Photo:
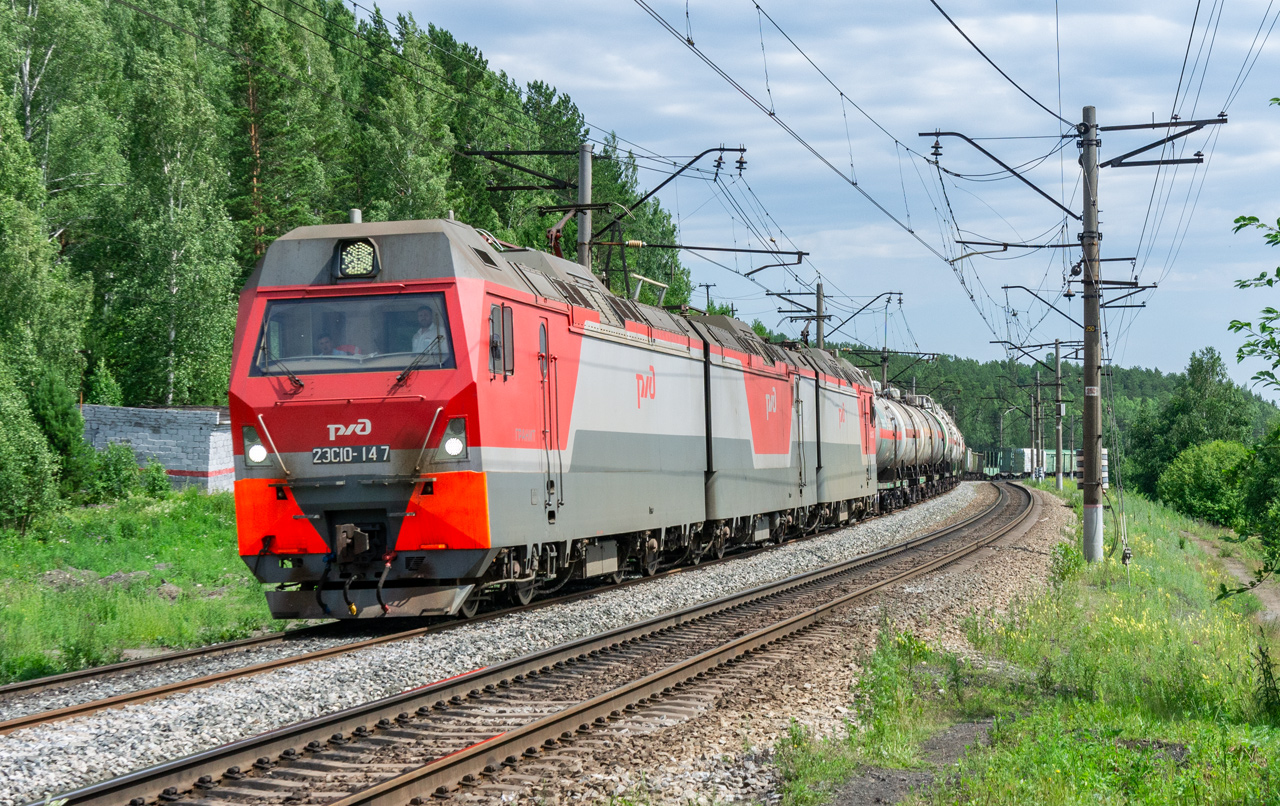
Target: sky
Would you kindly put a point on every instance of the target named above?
(858, 82)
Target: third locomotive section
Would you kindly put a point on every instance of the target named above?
(427, 420)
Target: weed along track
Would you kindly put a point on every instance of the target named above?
(79, 693)
(493, 730)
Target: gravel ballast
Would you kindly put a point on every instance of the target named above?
(47, 760)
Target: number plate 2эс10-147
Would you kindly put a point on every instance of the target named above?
(350, 453)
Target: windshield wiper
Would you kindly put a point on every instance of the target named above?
(417, 360)
(257, 359)
(293, 377)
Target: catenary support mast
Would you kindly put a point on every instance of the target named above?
(1057, 411)
(1089, 238)
(584, 198)
(822, 343)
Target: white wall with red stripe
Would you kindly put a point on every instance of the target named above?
(193, 444)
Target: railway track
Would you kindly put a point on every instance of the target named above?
(247, 645)
(474, 730)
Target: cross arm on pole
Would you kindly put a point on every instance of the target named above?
(1123, 160)
(1045, 301)
(1139, 290)
(917, 360)
(1008, 168)
(492, 156)
(863, 308)
(783, 295)
(663, 183)
(1023, 350)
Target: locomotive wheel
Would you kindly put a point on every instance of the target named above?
(520, 594)
(695, 555)
(649, 565)
(470, 606)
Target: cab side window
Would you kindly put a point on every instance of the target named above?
(508, 341)
(495, 339)
(502, 350)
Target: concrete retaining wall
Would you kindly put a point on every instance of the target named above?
(194, 445)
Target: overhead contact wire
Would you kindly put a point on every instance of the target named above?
(974, 45)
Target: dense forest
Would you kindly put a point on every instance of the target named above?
(151, 151)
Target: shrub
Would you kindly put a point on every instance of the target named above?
(115, 474)
(155, 481)
(1260, 491)
(1065, 561)
(1199, 482)
(28, 469)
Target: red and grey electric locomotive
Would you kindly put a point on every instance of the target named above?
(426, 420)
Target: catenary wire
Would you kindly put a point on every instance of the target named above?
(997, 67)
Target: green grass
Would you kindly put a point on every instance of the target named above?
(191, 536)
(1115, 685)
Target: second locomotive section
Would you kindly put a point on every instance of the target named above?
(425, 422)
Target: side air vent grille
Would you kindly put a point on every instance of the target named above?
(627, 310)
(571, 294)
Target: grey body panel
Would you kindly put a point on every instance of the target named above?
(616, 483)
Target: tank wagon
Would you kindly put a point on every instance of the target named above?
(426, 420)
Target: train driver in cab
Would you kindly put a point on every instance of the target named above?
(431, 337)
(324, 346)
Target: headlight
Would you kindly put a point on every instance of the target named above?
(454, 443)
(255, 453)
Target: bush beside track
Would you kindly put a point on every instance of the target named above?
(84, 585)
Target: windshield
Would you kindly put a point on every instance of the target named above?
(354, 334)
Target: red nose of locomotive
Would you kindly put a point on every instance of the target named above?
(353, 412)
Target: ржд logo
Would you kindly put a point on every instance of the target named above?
(360, 427)
(646, 386)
